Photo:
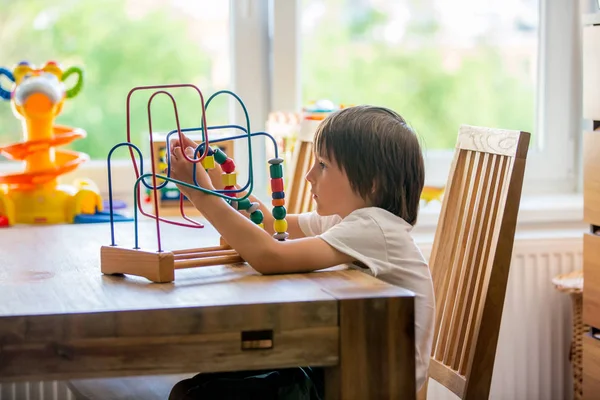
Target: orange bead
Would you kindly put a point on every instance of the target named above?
(278, 202)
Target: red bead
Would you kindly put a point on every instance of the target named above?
(233, 194)
(3, 221)
(228, 166)
(277, 185)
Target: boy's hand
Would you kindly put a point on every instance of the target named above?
(214, 173)
(187, 142)
(182, 169)
(215, 177)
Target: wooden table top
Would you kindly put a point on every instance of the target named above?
(56, 270)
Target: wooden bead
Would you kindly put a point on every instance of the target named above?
(278, 195)
(281, 236)
(220, 156)
(229, 179)
(257, 217)
(228, 166)
(278, 202)
(277, 185)
(280, 225)
(231, 194)
(244, 204)
(208, 162)
(253, 207)
(276, 161)
(279, 212)
(201, 150)
(276, 171)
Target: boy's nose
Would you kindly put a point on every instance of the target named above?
(309, 176)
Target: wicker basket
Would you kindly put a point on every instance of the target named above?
(572, 283)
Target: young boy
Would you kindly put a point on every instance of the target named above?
(366, 182)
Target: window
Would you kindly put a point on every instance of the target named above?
(438, 63)
(121, 44)
(512, 65)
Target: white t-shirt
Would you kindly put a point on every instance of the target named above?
(382, 242)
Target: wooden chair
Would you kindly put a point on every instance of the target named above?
(299, 196)
(471, 256)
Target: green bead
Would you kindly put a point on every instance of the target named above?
(220, 156)
(276, 171)
(257, 217)
(279, 212)
(244, 204)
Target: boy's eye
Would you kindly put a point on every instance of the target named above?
(321, 164)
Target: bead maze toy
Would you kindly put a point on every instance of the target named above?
(34, 196)
(159, 265)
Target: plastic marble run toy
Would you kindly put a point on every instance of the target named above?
(159, 265)
(34, 195)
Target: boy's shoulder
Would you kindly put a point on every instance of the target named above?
(360, 220)
(383, 218)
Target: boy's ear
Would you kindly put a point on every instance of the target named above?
(374, 188)
(373, 192)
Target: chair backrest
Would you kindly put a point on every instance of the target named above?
(299, 195)
(471, 256)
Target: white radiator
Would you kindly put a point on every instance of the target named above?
(532, 361)
(532, 358)
(35, 391)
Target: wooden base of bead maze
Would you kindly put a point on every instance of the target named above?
(159, 267)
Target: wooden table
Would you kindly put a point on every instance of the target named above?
(60, 318)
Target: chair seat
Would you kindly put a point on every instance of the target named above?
(129, 388)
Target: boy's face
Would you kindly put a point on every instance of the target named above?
(331, 189)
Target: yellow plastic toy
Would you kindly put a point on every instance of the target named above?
(431, 193)
(34, 196)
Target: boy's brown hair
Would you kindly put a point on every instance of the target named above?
(379, 153)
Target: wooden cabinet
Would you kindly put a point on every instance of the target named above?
(591, 177)
(591, 200)
(591, 367)
(591, 282)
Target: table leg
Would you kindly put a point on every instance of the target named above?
(377, 349)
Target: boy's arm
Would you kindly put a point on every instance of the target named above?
(293, 229)
(259, 249)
